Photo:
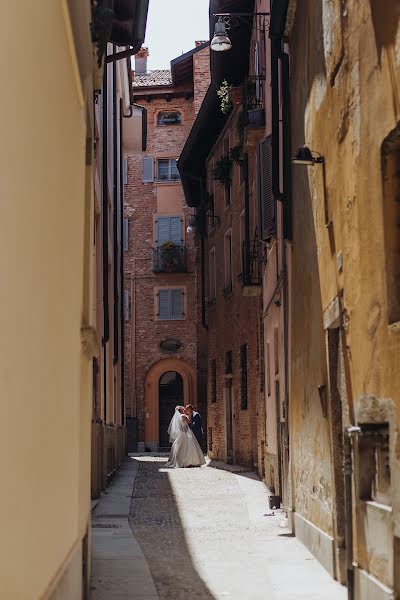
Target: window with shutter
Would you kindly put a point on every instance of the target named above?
(147, 169)
(126, 235)
(169, 229)
(170, 304)
(266, 197)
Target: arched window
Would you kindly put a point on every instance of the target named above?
(169, 118)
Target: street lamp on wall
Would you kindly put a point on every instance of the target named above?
(194, 224)
(221, 41)
(304, 156)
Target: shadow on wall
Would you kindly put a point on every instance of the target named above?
(155, 521)
(385, 23)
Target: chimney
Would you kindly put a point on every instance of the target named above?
(141, 61)
(200, 43)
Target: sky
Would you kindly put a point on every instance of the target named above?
(173, 26)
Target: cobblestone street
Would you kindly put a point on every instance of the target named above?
(207, 533)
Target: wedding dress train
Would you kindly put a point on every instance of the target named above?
(185, 449)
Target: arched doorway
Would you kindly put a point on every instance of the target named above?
(152, 392)
(170, 394)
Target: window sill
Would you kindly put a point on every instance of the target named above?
(167, 181)
(169, 319)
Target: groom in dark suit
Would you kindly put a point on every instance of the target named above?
(195, 425)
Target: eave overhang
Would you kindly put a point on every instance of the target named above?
(232, 66)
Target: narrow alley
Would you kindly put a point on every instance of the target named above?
(204, 533)
(200, 300)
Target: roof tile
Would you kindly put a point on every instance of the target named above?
(153, 78)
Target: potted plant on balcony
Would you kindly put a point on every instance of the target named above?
(224, 93)
(230, 96)
(222, 170)
(169, 256)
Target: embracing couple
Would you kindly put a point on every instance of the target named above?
(185, 431)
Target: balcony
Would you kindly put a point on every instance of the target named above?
(170, 258)
(251, 268)
(255, 110)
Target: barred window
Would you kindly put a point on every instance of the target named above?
(213, 369)
(243, 377)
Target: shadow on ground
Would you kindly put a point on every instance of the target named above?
(155, 522)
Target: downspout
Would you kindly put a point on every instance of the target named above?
(287, 234)
(203, 274)
(122, 316)
(246, 272)
(275, 54)
(349, 434)
(115, 215)
(106, 323)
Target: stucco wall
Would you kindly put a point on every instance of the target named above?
(44, 381)
(345, 98)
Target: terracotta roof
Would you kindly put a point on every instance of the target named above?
(153, 78)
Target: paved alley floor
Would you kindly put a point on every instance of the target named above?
(205, 534)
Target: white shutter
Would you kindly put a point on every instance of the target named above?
(176, 230)
(164, 304)
(125, 171)
(126, 305)
(126, 235)
(177, 304)
(147, 169)
(163, 230)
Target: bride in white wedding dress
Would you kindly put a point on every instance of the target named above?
(185, 451)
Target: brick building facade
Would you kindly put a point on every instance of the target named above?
(235, 389)
(162, 349)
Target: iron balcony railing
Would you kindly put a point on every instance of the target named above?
(170, 259)
(251, 263)
(254, 101)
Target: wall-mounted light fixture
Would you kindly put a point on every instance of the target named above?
(194, 224)
(221, 41)
(305, 156)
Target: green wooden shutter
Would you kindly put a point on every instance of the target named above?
(177, 304)
(176, 230)
(267, 200)
(147, 169)
(164, 304)
(163, 230)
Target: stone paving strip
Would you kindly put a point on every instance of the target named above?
(200, 534)
(119, 569)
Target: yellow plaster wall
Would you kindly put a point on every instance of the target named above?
(345, 101)
(44, 380)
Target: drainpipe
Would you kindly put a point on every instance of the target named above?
(122, 316)
(348, 446)
(115, 214)
(203, 275)
(106, 323)
(246, 272)
(287, 234)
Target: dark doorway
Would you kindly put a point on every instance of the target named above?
(170, 395)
